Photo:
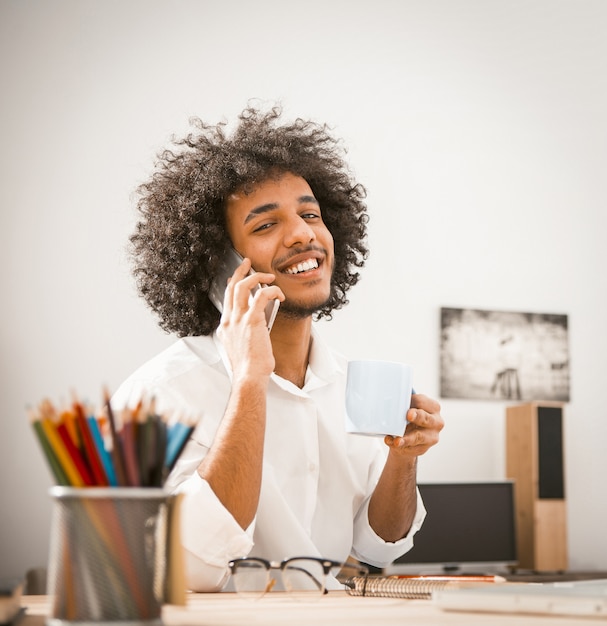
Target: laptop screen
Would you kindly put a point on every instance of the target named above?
(467, 524)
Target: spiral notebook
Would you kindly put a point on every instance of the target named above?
(414, 587)
(583, 598)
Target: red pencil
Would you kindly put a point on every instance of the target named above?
(89, 446)
(74, 453)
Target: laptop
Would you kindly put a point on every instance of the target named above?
(581, 598)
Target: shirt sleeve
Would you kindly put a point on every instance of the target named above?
(370, 548)
(210, 536)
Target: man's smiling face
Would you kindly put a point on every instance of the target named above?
(279, 226)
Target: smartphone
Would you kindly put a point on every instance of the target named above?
(218, 287)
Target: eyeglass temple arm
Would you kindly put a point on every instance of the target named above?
(311, 576)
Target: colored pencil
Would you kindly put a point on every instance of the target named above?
(117, 455)
(94, 463)
(49, 453)
(67, 463)
(140, 453)
(104, 455)
(76, 456)
(129, 447)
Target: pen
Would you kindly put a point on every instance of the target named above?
(464, 578)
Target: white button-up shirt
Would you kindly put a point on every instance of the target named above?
(317, 479)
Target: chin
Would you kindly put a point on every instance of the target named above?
(300, 310)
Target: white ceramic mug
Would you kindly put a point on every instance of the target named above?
(378, 396)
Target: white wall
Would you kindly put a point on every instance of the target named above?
(478, 127)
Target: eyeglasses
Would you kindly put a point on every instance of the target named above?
(252, 576)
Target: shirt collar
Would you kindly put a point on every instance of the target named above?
(322, 369)
(322, 359)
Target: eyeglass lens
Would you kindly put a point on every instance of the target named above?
(254, 579)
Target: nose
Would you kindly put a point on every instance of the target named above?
(298, 232)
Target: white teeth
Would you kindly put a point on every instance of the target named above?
(304, 266)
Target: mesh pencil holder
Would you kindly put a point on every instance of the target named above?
(108, 555)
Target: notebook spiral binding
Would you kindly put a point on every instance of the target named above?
(387, 587)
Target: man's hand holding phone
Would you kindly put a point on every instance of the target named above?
(250, 292)
(246, 299)
(227, 270)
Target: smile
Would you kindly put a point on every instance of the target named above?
(304, 266)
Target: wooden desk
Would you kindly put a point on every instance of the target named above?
(334, 609)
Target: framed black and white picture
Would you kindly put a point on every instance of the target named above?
(501, 355)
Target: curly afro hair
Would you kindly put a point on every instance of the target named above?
(181, 234)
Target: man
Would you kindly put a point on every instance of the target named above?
(270, 470)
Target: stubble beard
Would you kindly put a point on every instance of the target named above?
(298, 310)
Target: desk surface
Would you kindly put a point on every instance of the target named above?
(334, 609)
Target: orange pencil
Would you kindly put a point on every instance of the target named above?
(72, 428)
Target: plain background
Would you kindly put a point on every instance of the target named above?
(479, 128)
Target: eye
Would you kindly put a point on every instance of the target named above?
(311, 215)
(263, 227)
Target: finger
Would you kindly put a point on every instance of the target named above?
(263, 302)
(239, 273)
(393, 441)
(271, 292)
(242, 287)
(418, 417)
(420, 401)
(423, 419)
(413, 442)
(420, 438)
(255, 290)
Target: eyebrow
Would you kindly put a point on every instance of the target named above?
(271, 206)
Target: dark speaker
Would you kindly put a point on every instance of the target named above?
(550, 458)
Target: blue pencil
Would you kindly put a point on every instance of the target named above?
(178, 435)
(104, 455)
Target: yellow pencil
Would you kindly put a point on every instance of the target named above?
(49, 453)
(67, 464)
